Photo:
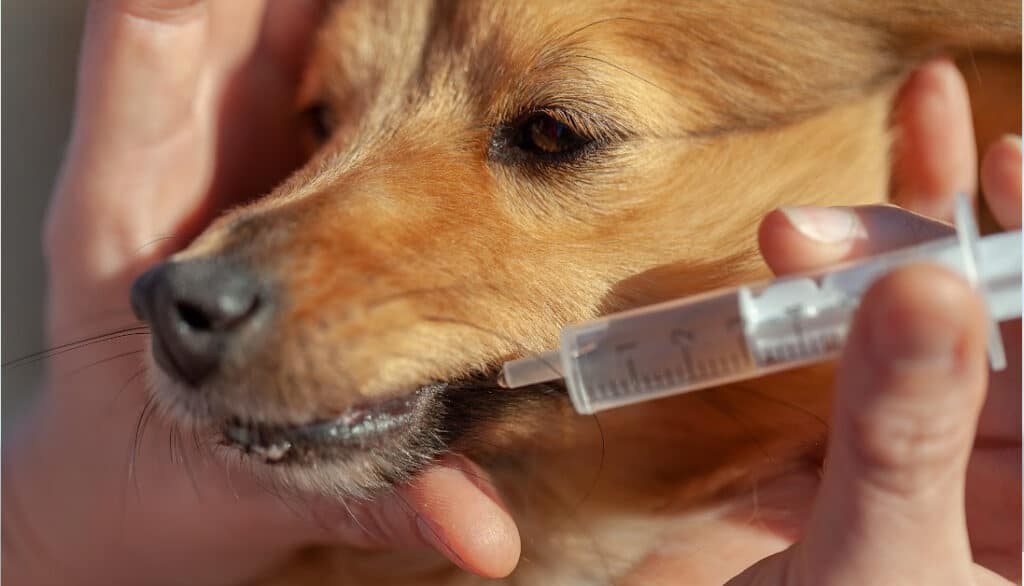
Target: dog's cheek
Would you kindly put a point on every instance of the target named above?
(491, 425)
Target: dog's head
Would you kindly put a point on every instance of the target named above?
(483, 173)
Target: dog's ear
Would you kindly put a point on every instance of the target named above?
(921, 28)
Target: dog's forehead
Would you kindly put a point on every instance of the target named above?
(492, 60)
(366, 42)
(430, 35)
(741, 65)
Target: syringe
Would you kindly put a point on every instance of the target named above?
(745, 332)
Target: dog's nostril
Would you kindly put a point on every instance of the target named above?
(212, 301)
(193, 316)
(221, 310)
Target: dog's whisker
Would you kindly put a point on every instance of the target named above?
(412, 511)
(378, 302)
(104, 361)
(239, 459)
(91, 321)
(170, 444)
(156, 240)
(77, 344)
(788, 404)
(718, 405)
(140, 428)
(566, 38)
(600, 464)
(121, 389)
(299, 510)
(627, 72)
(195, 438)
(186, 460)
(355, 518)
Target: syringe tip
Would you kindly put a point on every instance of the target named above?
(540, 368)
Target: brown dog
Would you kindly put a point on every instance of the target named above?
(483, 173)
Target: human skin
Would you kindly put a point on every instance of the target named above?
(163, 140)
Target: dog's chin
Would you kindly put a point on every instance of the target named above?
(364, 449)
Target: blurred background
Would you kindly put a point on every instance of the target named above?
(39, 42)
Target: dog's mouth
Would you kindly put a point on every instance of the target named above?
(356, 428)
(378, 444)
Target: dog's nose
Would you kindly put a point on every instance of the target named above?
(196, 309)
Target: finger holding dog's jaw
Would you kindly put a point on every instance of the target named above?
(462, 517)
(450, 507)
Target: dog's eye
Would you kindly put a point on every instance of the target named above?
(320, 121)
(552, 137)
(543, 135)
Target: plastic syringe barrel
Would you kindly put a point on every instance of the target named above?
(737, 334)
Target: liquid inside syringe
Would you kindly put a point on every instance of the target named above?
(746, 332)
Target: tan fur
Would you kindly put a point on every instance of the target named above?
(409, 254)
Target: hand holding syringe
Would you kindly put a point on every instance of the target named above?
(749, 331)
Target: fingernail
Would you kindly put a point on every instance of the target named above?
(828, 225)
(433, 536)
(1011, 139)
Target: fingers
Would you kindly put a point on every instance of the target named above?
(909, 389)
(803, 239)
(461, 516)
(935, 155)
(450, 507)
(288, 29)
(140, 67)
(145, 111)
(139, 70)
(1001, 181)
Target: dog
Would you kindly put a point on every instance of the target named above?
(483, 173)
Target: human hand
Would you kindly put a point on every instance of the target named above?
(184, 107)
(922, 481)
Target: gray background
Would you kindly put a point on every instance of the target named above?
(39, 42)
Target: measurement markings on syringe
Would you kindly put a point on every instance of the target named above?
(709, 346)
(798, 334)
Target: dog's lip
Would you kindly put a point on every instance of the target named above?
(356, 427)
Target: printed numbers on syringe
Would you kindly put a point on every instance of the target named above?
(648, 351)
(628, 378)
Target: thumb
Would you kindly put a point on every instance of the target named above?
(909, 389)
